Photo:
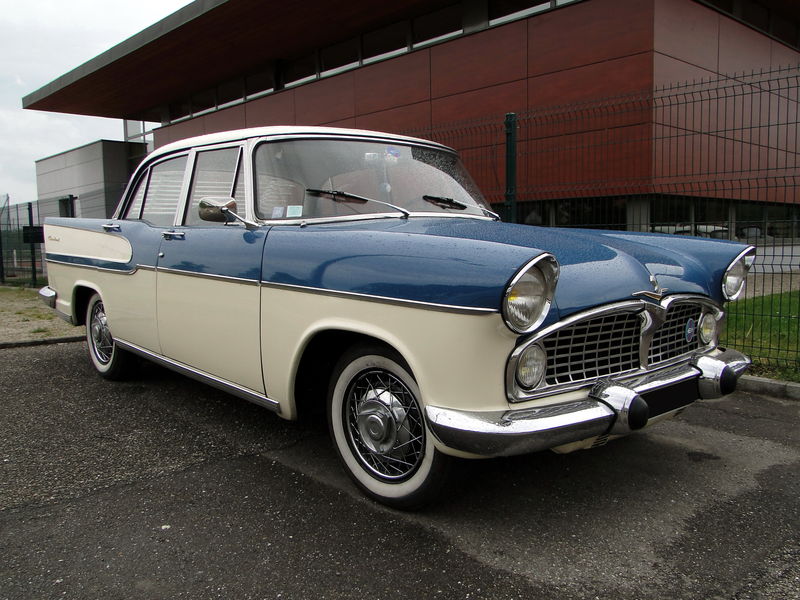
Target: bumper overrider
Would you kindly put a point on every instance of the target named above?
(611, 408)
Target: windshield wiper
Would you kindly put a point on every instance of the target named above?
(445, 202)
(339, 196)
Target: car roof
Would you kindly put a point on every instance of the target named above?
(287, 130)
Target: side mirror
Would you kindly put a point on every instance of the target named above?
(218, 210)
(222, 210)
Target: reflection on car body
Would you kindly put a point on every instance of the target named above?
(306, 267)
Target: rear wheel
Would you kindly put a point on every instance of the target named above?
(377, 423)
(106, 357)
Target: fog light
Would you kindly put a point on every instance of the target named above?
(708, 329)
(531, 366)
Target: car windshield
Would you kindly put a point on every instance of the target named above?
(320, 178)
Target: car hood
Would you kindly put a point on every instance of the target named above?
(468, 262)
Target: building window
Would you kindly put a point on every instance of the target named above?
(300, 70)
(503, 11)
(260, 83)
(339, 57)
(385, 43)
(436, 26)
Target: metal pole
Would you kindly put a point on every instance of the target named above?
(511, 167)
(33, 246)
(2, 256)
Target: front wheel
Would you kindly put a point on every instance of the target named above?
(106, 357)
(378, 426)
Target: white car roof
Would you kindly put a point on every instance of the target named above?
(284, 130)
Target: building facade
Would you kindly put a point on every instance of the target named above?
(434, 67)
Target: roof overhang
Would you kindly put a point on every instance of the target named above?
(208, 42)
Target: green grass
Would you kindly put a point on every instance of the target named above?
(767, 328)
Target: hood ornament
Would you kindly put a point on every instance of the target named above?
(657, 293)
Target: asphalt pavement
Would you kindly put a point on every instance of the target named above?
(161, 487)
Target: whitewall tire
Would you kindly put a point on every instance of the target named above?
(107, 358)
(377, 423)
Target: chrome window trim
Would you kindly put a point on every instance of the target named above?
(471, 310)
(653, 316)
(365, 217)
(221, 384)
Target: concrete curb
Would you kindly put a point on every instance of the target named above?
(769, 387)
(62, 340)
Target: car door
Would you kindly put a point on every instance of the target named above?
(149, 211)
(208, 279)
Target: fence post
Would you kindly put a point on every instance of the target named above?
(511, 167)
(2, 256)
(33, 246)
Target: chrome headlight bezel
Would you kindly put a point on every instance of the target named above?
(544, 266)
(737, 269)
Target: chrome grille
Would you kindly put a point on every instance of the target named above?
(597, 347)
(670, 340)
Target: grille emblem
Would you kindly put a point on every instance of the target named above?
(690, 330)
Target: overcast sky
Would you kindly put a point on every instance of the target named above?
(40, 40)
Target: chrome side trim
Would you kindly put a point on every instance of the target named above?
(104, 269)
(382, 299)
(207, 276)
(221, 384)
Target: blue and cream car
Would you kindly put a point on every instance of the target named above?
(302, 268)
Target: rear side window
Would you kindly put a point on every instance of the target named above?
(163, 193)
(214, 175)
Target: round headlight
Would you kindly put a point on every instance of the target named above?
(734, 280)
(708, 328)
(529, 295)
(735, 275)
(531, 366)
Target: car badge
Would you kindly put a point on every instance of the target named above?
(657, 293)
(690, 331)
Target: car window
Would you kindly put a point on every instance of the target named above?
(135, 207)
(214, 173)
(164, 191)
(289, 177)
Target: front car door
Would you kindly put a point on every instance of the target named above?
(208, 279)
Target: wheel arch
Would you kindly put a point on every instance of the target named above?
(318, 360)
(81, 294)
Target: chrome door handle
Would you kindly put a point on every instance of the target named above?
(111, 227)
(173, 235)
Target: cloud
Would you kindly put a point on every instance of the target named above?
(39, 42)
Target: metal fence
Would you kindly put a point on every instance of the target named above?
(20, 260)
(715, 158)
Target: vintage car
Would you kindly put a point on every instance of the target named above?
(363, 274)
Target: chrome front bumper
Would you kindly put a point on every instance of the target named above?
(612, 407)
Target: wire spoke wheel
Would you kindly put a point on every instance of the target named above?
(100, 334)
(384, 425)
(377, 422)
(110, 361)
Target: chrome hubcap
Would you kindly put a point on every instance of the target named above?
(102, 342)
(384, 425)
